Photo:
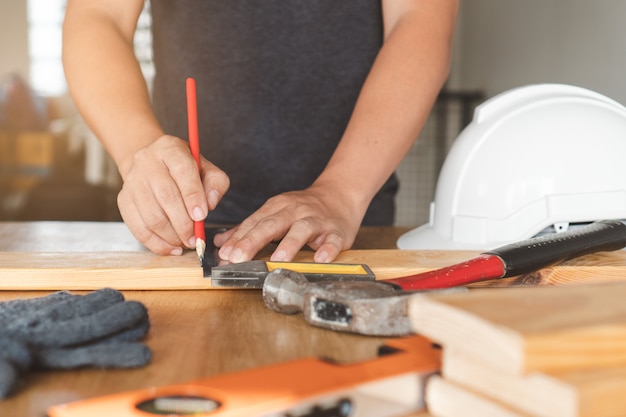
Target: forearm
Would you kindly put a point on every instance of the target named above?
(394, 103)
(105, 80)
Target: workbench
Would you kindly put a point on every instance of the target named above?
(194, 333)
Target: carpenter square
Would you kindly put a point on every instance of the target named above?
(211, 258)
(252, 274)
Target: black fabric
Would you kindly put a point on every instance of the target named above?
(9, 378)
(277, 82)
(62, 331)
(103, 355)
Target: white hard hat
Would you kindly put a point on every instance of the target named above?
(532, 157)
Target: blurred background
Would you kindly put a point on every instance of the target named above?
(53, 168)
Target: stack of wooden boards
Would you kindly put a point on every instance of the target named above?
(521, 352)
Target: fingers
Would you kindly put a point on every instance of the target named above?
(296, 219)
(299, 234)
(221, 238)
(163, 194)
(327, 244)
(252, 235)
(330, 248)
(215, 182)
(153, 228)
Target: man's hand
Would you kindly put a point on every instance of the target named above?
(314, 217)
(163, 194)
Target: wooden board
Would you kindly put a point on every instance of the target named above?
(446, 399)
(597, 392)
(519, 330)
(145, 270)
(94, 270)
(593, 268)
(91, 255)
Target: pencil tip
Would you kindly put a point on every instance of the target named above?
(200, 248)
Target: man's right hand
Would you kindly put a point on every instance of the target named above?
(163, 194)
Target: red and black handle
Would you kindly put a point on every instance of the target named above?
(522, 257)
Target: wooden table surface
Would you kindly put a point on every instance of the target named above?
(194, 333)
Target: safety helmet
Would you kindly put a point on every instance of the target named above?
(535, 158)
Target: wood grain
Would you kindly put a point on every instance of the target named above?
(193, 335)
(91, 255)
(530, 329)
(446, 399)
(199, 333)
(597, 267)
(145, 270)
(94, 270)
(596, 392)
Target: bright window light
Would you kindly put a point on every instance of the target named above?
(45, 19)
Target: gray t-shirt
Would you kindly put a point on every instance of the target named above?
(277, 82)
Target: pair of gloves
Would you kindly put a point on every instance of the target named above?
(66, 331)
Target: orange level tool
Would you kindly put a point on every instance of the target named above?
(390, 385)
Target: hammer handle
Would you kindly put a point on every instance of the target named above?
(533, 254)
(522, 257)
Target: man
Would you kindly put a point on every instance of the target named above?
(306, 109)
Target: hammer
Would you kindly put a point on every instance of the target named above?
(380, 307)
(374, 308)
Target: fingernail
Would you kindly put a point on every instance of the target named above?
(176, 251)
(225, 251)
(198, 214)
(321, 257)
(279, 256)
(236, 256)
(214, 197)
(192, 242)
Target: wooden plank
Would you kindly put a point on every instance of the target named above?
(93, 270)
(89, 255)
(519, 330)
(393, 263)
(446, 399)
(595, 392)
(600, 267)
(82, 270)
(597, 267)
(145, 270)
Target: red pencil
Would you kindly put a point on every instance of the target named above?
(194, 145)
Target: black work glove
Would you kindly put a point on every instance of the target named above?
(64, 331)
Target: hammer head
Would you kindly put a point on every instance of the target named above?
(365, 307)
(284, 290)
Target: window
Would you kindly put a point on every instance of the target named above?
(45, 19)
(44, 46)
